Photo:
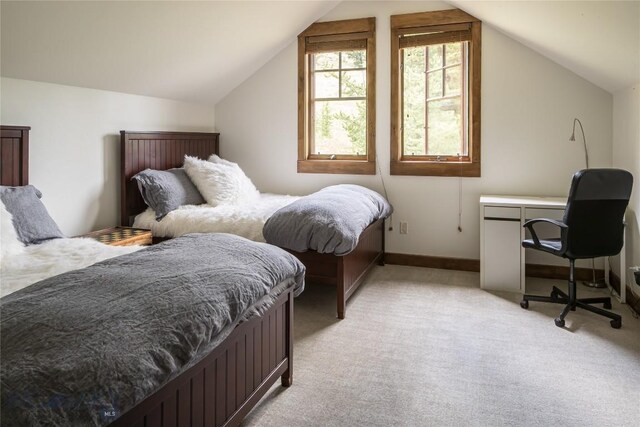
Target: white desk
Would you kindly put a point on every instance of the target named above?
(502, 257)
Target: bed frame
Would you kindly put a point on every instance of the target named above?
(165, 150)
(221, 389)
(227, 383)
(14, 155)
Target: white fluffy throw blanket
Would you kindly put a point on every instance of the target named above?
(244, 220)
(53, 257)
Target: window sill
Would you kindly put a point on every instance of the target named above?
(422, 168)
(355, 167)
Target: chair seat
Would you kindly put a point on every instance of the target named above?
(553, 246)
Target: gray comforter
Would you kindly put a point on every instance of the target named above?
(328, 221)
(83, 347)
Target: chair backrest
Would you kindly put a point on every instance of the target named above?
(595, 212)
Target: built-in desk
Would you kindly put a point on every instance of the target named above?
(502, 257)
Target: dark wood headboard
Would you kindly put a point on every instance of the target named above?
(14, 155)
(160, 151)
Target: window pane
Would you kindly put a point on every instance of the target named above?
(435, 56)
(326, 61)
(340, 127)
(445, 127)
(354, 83)
(453, 53)
(453, 82)
(326, 84)
(435, 84)
(413, 96)
(354, 59)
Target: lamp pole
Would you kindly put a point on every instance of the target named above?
(594, 283)
(584, 139)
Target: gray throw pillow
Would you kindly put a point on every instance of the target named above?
(30, 218)
(166, 191)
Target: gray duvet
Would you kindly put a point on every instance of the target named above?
(328, 221)
(83, 347)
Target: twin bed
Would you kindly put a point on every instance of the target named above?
(192, 331)
(166, 150)
(74, 350)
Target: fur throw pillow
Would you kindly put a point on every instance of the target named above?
(221, 183)
(9, 243)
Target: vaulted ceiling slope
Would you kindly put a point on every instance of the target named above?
(200, 51)
(598, 40)
(190, 51)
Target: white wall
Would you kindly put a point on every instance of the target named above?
(626, 155)
(74, 143)
(528, 106)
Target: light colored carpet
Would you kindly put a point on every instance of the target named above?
(426, 347)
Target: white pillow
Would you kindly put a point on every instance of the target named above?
(9, 243)
(221, 183)
(249, 193)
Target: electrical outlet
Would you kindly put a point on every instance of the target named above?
(404, 227)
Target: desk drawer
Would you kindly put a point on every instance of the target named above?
(500, 257)
(499, 212)
(531, 213)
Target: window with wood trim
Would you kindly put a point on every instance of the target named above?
(336, 97)
(435, 94)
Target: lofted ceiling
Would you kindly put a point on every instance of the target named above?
(190, 51)
(598, 40)
(200, 51)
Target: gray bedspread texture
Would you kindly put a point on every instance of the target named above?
(83, 347)
(327, 221)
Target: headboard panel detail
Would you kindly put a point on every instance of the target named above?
(14, 155)
(160, 151)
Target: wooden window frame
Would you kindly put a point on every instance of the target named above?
(330, 37)
(455, 21)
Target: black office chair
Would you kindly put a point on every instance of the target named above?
(593, 226)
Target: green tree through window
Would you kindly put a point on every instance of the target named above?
(433, 102)
(339, 86)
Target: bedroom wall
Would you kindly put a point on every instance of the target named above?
(626, 155)
(528, 106)
(74, 143)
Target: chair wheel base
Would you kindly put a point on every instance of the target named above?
(559, 322)
(524, 304)
(616, 323)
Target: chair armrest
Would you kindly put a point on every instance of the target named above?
(529, 225)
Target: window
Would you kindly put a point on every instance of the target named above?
(336, 97)
(435, 94)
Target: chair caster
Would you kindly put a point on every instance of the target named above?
(616, 324)
(524, 304)
(607, 305)
(559, 322)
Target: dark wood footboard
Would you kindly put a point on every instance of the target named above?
(221, 389)
(349, 271)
